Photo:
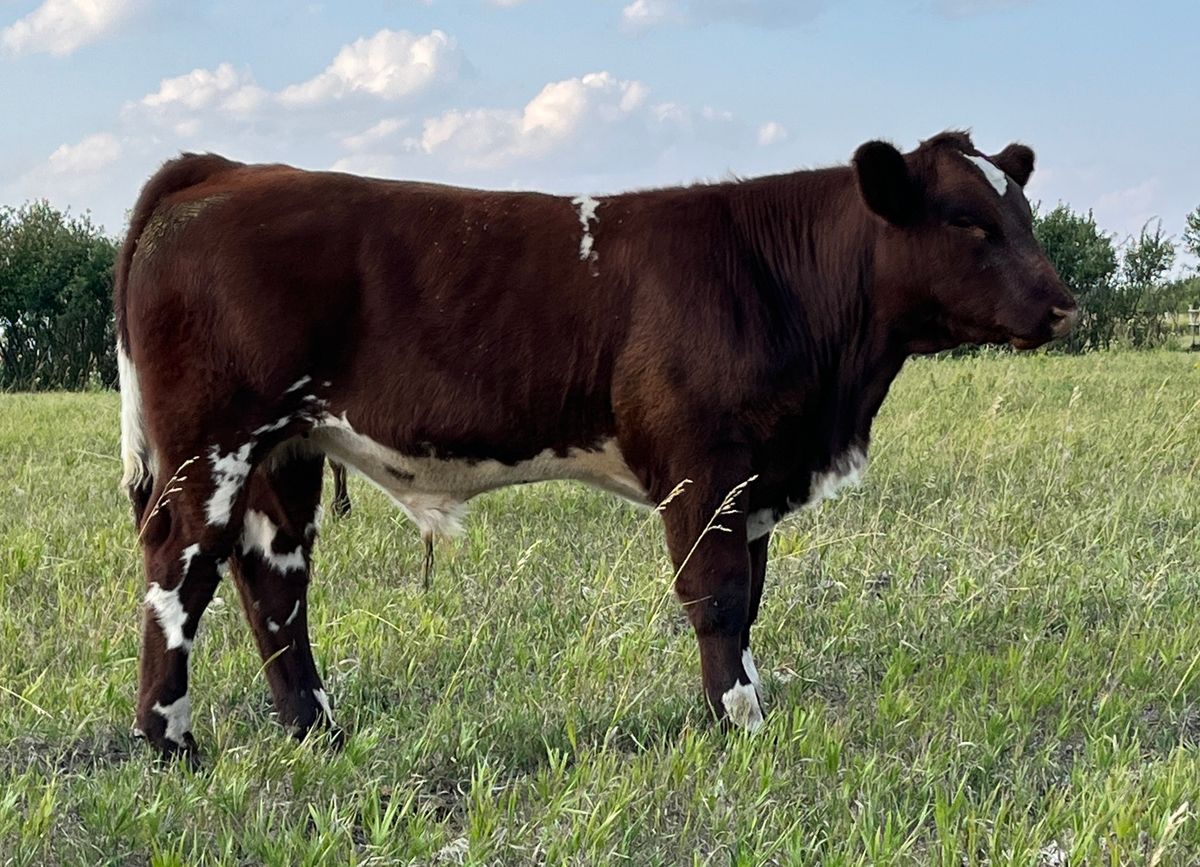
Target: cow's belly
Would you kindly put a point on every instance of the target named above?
(433, 491)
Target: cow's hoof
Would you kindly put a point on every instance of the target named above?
(742, 707)
(170, 753)
(321, 733)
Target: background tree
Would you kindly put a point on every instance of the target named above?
(1191, 233)
(55, 300)
(1086, 260)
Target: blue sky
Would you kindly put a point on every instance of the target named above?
(598, 95)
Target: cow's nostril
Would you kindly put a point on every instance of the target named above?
(1064, 320)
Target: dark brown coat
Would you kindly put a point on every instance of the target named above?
(446, 341)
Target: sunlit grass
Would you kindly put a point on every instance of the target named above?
(990, 653)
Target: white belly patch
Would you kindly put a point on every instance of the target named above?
(433, 491)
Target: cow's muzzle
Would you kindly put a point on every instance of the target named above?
(1063, 320)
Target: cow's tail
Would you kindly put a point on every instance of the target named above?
(137, 458)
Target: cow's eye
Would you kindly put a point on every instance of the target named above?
(980, 230)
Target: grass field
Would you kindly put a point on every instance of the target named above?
(988, 654)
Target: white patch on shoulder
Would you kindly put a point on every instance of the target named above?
(323, 701)
(433, 491)
(178, 715)
(996, 177)
(168, 611)
(587, 212)
(258, 535)
(229, 473)
(741, 706)
(752, 672)
(137, 460)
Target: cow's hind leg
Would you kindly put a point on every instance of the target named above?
(186, 537)
(341, 494)
(271, 564)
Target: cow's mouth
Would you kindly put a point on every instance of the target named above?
(1061, 321)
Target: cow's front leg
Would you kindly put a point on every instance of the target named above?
(706, 535)
(758, 575)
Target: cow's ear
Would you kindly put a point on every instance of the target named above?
(886, 184)
(1017, 162)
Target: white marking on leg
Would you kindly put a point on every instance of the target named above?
(178, 715)
(311, 528)
(189, 554)
(168, 611)
(295, 613)
(742, 708)
(323, 701)
(278, 424)
(752, 672)
(587, 213)
(258, 536)
(229, 473)
(995, 176)
(298, 384)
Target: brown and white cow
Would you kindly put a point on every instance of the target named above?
(445, 342)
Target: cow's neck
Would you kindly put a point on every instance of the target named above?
(810, 244)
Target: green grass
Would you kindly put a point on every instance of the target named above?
(989, 654)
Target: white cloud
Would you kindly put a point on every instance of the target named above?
(390, 65)
(561, 112)
(59, 27)
(374, 135)
(643, 14)
(506, 3)
(226, 88)
(771, 132)
(90, 154)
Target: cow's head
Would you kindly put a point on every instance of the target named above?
(956, 260)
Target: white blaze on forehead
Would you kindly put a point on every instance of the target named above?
(168, 610)
(997, 178)
(178, 715)
(587, 212)
(229, 473)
